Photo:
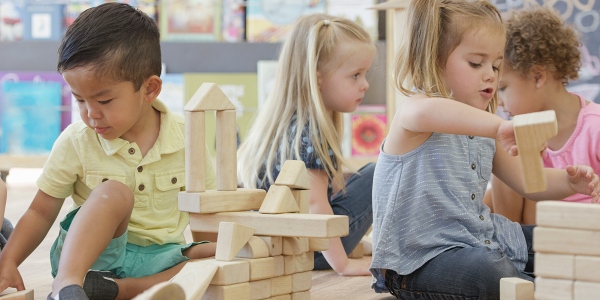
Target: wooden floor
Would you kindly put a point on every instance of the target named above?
(35, 270)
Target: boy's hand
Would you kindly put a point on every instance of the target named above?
(10, 277)
(583, 180)
(506, 137)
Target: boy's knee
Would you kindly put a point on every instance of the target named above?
(113, 190)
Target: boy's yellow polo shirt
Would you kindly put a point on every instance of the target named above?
(81, 159)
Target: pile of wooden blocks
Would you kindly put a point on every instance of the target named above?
(265, 240)
(567, 246)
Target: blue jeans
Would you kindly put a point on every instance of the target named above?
(461, 273)
(357, 205)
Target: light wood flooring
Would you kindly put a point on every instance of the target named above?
(35, 270)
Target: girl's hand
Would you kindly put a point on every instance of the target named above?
(583, 180)
(506, 137)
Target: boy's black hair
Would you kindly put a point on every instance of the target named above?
(116, 40)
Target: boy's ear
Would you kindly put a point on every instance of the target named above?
(540, 74)
(152, 88)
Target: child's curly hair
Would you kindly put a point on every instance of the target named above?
(538, 36)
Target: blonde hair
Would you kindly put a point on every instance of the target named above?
(436, 28)
(538, 36)
(310, 47)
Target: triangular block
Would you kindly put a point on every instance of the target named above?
(195, 278)
(293, 174)
(279, 199)
(232, 237)
(209, 97)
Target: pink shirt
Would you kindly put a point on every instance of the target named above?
(582, 147)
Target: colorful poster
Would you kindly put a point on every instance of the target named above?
(234, 20)
(270, 20)
(11, 20)
(358, 11)
(190, 20)
(240, 88)
(368, 130)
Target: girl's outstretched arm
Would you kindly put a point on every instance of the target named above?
(336, 255)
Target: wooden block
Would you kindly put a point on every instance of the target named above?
(274, 243)
(260, 289)
(230, 272)
(195, 277)
(553, 289)
(587, 268)
(558, 266)
(568, 215)
(296, 225)
(586, 290)
(305, 262)
(195, 152)
(317, 244)
(232, 237)
(293, 174)
(226, 150)
(254, 248)
(240, 291)
(281, 285)
(303, 281)
(282, 297)
(163, 291)
(513, 288)
(213, 201)
(566, 241)
(279, 199)
(531, 132)
(289, 263)
(260, 268)
(208, 97)
(294, 245)
(301, 295)
(13, 294)
(302, 199)
(279, 265)
(358, 252)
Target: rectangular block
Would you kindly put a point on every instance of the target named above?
(587, 268)
(553, 289)
(563, 214)
(566, 241)
(260, 289)
(239, 291)
(586, 290)
(301, 295)
(230, 272)
(279, 265)
(260, 268)
(281, 285)
(305, 262)
(558, 266)
(213, 201)
(292, 225)
(513, 288)
(301, 281)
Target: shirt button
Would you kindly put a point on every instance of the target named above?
(140, 169)
(471, 137)
(141, 187)
(487, 242)
(481, 217)
(104, 179)
(174, 180)
(473, 166)
(472, 196)
(131, 151)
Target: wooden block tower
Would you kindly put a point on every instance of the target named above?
(265, 239)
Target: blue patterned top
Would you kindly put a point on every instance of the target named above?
(307, 155)
(430, 200)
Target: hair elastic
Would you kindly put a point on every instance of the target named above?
(326, 22)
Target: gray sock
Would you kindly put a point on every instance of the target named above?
(99, 285)
(70, 292)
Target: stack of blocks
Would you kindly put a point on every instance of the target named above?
(567, 246)
(264, 254)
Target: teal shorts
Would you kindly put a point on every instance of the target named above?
(122, 258)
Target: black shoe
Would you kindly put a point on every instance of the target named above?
(100, 285)
(70, 292)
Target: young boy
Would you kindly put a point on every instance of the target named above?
(123, 165)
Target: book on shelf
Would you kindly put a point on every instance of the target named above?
(240, 88)
(234, 21)
(271, 20)
(30, 116)
(43, 21)
(358, 11)
(190, 20)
